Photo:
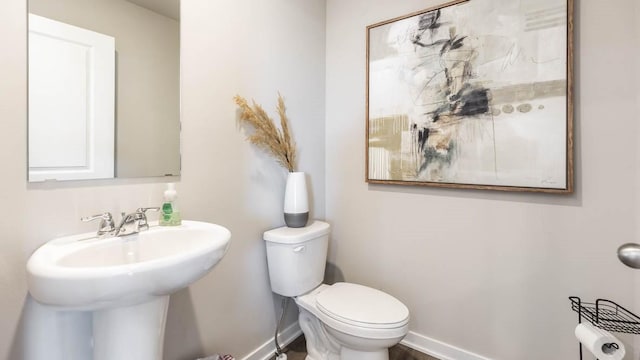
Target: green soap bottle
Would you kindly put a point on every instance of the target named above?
(170, 215)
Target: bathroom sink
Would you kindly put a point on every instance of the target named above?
(124, 283)
(82, 272)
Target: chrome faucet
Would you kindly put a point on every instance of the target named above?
(130, 224)
(134, 223)
(106, 227)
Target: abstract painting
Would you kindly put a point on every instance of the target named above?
(473, 94)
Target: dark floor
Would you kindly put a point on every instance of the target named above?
(297, 350)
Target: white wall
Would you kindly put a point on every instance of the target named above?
(485, 271)
(229, 47)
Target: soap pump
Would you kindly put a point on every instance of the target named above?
(170, 215)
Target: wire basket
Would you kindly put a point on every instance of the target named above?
(606, 315)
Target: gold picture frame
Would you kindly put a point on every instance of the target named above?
(458, 99)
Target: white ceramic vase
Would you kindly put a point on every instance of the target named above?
(296, 200)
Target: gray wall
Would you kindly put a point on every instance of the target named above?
(230, 47)
(485, 271)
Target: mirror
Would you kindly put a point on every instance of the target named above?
(104, 89)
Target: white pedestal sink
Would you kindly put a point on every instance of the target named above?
(125, 281)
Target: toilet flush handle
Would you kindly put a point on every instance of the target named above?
(299, 249)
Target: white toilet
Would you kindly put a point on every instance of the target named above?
(341, 321)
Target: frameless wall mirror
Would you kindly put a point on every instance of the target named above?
(104, 89)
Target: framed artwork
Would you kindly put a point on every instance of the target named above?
(473, 94)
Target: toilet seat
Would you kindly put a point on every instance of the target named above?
(362, 311)
(362, 306)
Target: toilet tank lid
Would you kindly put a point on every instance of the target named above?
(287, 235)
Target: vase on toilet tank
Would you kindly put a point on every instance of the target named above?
(296, 200)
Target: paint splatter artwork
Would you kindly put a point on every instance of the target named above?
(472, 94)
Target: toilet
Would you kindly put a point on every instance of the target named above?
(341, 321)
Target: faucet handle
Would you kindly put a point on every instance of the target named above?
(144, 210)
(105, 216)
(106, 222)
(142, 217)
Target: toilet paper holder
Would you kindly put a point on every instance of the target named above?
(606, 315)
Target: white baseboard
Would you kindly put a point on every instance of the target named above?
(437, 348)
(429, 346)
(267, 350)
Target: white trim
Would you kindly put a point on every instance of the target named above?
(426, 345)
(438, 349)
(267, 350)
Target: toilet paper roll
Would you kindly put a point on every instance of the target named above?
(600, 342)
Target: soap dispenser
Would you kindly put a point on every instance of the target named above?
(170, 215)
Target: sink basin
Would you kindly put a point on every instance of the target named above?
(86, 273)
(82, 272)
(125, 281)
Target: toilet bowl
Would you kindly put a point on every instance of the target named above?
(355, 321)
(340, 321)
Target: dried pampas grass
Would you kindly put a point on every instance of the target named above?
(277, 142)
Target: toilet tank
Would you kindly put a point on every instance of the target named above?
(297, 257)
